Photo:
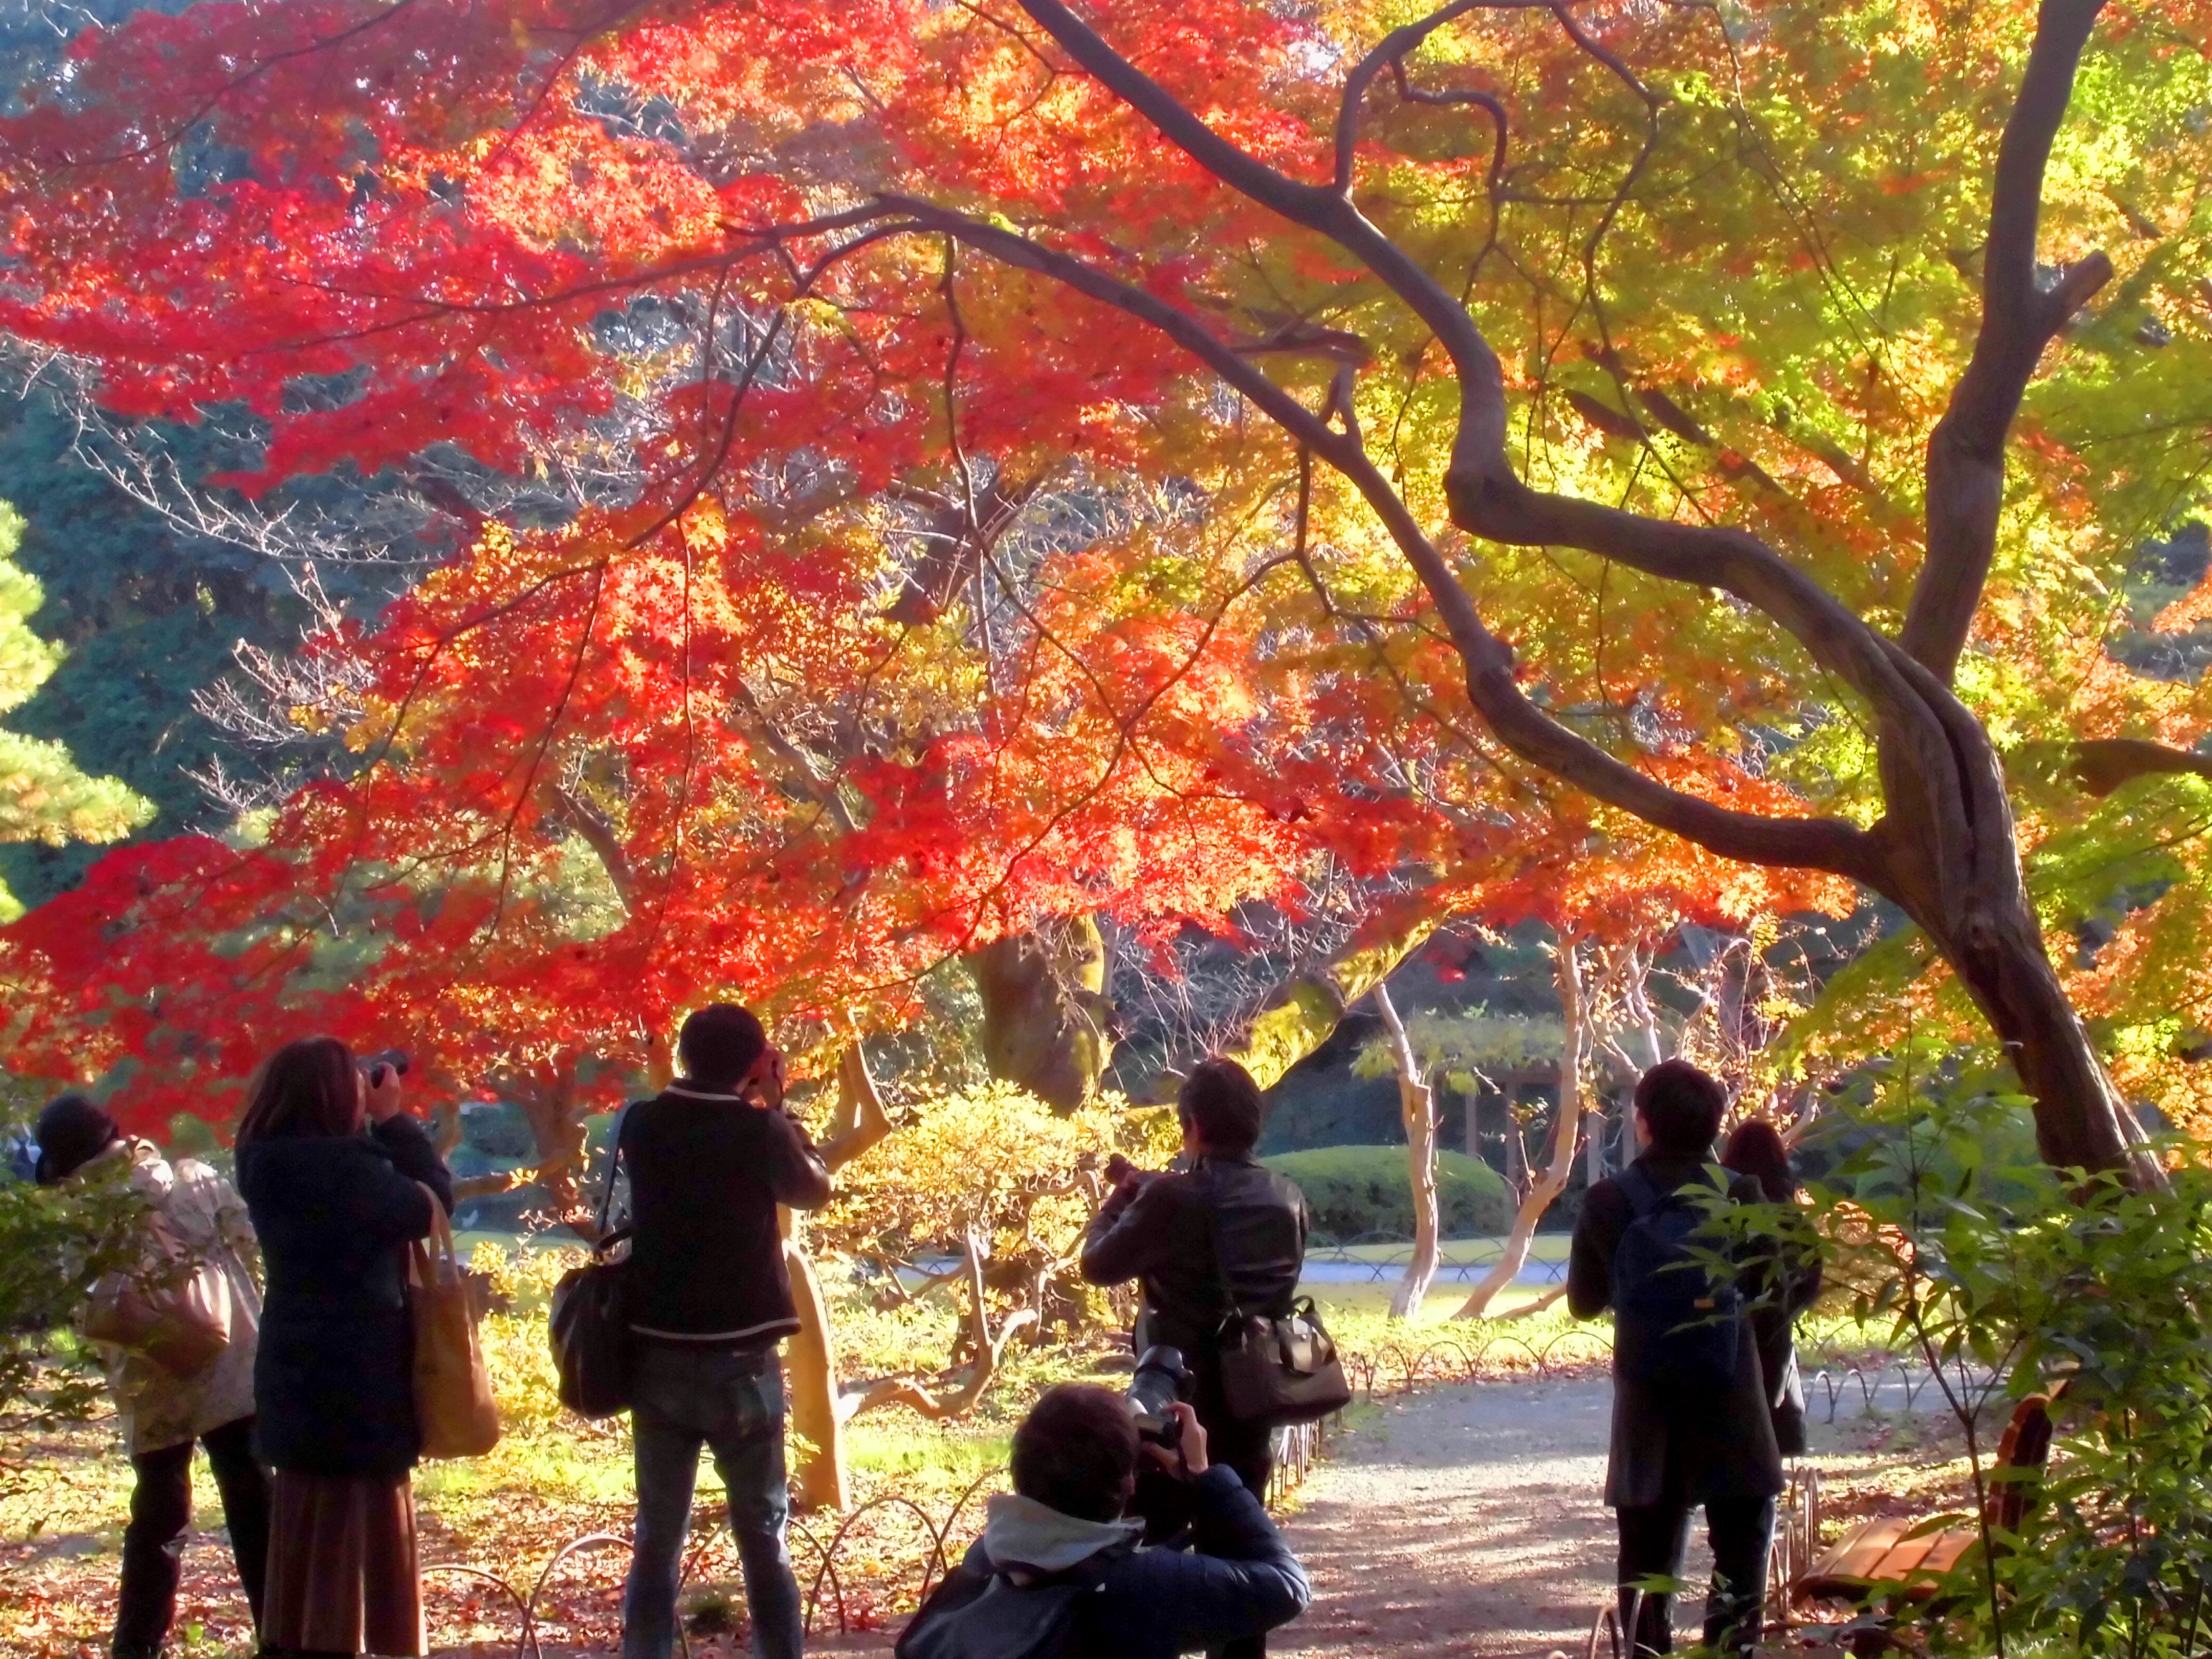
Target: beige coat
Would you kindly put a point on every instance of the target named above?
(156, 1406)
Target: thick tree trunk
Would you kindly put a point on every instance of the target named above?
(2081, 1120)
(1046, 1020)
(810, 1368)
(821, 1480)
(1566, 1124)
(1416, 1104)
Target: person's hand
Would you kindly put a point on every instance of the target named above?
(380, 1092)
(764, 1082)
(1188, 1460)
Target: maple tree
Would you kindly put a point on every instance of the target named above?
(812, 339)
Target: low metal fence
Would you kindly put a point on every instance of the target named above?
(1381, 1258)
(879, 1559)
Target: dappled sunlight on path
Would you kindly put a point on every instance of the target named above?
(1460, 1521)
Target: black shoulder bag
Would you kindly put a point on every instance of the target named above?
(1277, 1370)
(589, 1322)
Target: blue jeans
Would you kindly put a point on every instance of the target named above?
(732, 1402)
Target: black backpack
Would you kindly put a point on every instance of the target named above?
(1674, 1323)
(975, 1615)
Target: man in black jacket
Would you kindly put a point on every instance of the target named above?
(1227, 1233)
(1065, 1560)
(1674, 1448)
(709, 1160)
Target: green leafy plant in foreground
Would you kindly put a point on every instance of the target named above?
(54, 1243)
(2009, 1280)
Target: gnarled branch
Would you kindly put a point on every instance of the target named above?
(2020, 317)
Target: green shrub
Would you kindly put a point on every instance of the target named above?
(1351, 1190)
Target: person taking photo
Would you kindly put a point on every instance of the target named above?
(1226, 1235)
(1691, 1425)
(1061, 1571)
(162, 1412)
(709, 1159)
(338, 1180)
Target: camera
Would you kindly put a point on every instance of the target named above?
(1119, 1170)
(1162, 1379)
(373, 1065)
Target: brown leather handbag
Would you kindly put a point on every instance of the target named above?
(1282, 1370)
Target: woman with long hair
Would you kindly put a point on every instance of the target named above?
(1756, 1149)
(335, 1175)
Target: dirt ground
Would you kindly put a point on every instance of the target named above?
(1469, 1521)
(1460, 1521)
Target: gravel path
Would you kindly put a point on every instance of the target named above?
(1462, 1520)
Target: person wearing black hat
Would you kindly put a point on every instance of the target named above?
(160, 1412)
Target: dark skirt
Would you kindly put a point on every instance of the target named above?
(342, 1569)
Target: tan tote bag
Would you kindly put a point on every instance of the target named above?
(454, 1410)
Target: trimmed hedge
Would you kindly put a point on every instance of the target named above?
(1351, 1190)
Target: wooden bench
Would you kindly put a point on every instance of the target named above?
(1882, 1560)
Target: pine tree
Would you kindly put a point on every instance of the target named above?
(44, 796)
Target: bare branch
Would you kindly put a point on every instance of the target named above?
(964, 1388)
(599, 834)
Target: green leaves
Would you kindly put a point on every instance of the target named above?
(2009, 1284)
(43, 795)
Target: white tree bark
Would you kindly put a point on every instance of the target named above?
(1416, 1104)
(1566, 1125)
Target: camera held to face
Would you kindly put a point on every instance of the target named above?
(373, 1066)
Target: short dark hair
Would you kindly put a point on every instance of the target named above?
(1076, 1452)
(1683, 1105)
(1220, 1099)
(719, 1044)
(306, 1088)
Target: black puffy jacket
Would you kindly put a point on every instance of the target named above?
(1161, 1231)
(333, 1381)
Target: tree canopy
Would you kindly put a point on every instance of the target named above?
(994, 463)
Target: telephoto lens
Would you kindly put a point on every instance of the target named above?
(1162, 1379)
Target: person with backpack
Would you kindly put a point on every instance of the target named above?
(1690, 1420)
(1061, 1572)
(707, 1160)
(160, 1410)
(1226, 1236)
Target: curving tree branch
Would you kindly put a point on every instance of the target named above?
(2020, 316)
(1720, 557)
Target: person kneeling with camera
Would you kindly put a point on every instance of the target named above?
(1059, 1573)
